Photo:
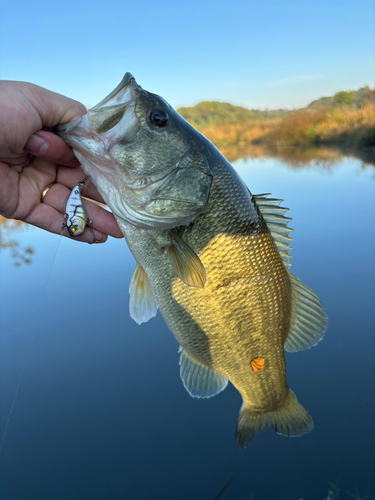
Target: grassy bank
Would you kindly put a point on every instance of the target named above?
(346, 126)
(346, 119)
(239, 139)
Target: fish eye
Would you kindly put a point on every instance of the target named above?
(159, 118)
(73, 229)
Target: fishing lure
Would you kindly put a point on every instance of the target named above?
(75, 215)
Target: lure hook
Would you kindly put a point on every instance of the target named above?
(94, 240)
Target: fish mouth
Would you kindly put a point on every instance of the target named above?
(116, 96)
(110, 120)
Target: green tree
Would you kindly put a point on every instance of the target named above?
(344, 98)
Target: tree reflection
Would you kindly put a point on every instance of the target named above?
(9, 231)
(298, 157)
(295, 157)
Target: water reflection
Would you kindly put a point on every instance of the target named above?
(9, 240)
(303, 156)
(294, 157)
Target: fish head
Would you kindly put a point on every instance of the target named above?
(148, 164)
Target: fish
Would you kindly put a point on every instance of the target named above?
(212, 257)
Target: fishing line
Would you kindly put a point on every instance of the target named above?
(28, 350)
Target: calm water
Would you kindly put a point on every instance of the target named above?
(101, 412)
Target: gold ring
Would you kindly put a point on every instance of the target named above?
(45, 191)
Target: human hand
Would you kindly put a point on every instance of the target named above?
(32, 158)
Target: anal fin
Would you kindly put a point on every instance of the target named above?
(199, 380)
(142, 306)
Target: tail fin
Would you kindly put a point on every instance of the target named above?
(289, 420)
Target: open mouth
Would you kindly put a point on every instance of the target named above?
(111, 120)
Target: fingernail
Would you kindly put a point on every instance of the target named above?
(36, 145)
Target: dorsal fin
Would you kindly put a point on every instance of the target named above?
(308, 319)
(277, 224)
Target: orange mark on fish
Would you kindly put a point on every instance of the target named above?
(257, 364)
(141, 283)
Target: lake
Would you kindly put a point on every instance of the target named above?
(101, 412)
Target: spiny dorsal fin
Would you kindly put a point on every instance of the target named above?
(308, 320)
(277, 224)
(199, 380)
(186, 263)
(142, 305)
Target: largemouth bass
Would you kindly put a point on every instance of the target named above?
(212, 257)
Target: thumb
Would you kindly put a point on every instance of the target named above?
(26, 109)
(51, 147)
(53, 108)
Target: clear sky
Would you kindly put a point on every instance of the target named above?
(253, 53)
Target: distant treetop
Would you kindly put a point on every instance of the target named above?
(207, 114)
(213, 114)
(356, 98)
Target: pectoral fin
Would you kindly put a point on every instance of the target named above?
(186, 263)
(199, 380)
(142, 305)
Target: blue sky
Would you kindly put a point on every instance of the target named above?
(253, 53)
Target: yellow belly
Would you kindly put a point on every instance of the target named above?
(244, 312)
